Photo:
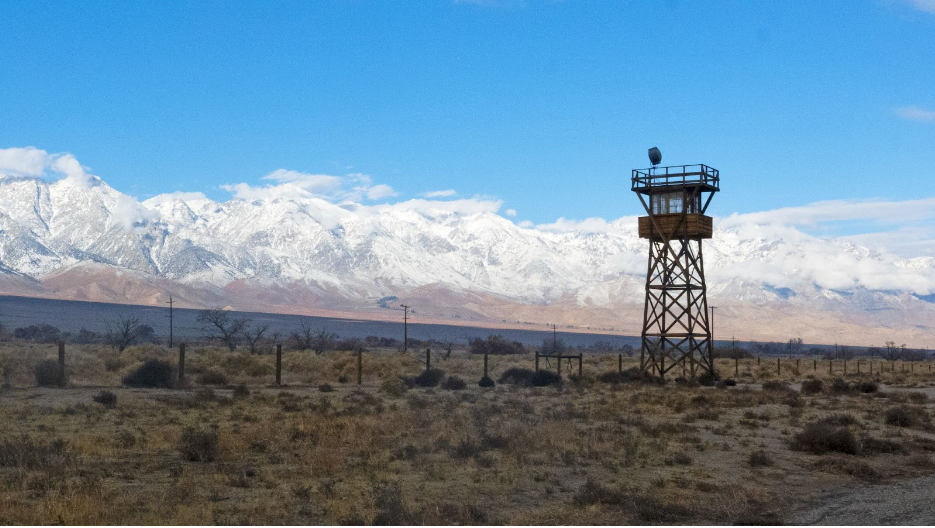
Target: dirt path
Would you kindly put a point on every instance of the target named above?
(908, 502)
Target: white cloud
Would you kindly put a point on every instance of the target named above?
(510, 212)
(30, 161)
(354, 187)
(914, 113)
(883, 212)
(927, 6)
(313, 183)
(439, 194)
(588, 225)
(378, 192)
(467, 206)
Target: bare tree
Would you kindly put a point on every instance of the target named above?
(126, 331)
(219, 325)
(306, 338)
(794, 347)
(892, 352)
(253, 335)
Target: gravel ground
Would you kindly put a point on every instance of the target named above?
(909, 502)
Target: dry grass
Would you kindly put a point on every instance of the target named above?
(595, 449)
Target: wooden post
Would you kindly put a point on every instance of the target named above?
(537, 361)
(845, 367)
(181, 364)
(428, 358)
(830, 366)
(580, 358)
(736, 367)
(778, 367)
(485, 364)
(758, 361)
(360, 366)
(278, 363)
(61, 363)
(858, 367)
(797, 364)
(620, 364)
(814, 365)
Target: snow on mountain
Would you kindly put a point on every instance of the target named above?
(287, 250)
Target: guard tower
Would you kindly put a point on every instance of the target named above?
(676, 329)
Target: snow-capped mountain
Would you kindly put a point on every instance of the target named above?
(453, 260)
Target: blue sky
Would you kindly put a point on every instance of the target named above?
(545, 105)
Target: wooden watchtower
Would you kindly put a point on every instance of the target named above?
(676, 328)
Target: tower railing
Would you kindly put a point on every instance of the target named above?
(643, 180)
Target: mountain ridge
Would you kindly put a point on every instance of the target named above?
(456, 260)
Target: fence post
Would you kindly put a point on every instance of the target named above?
(830, 366)
(278, 363)
(858, 367)
(61, 363)
(758, 361)
(181, 364)
(814, 365)
(620, 364)
(360, 365)
(580, 358)
(537, 361)
(845, 367)
(736, 367)
(428, 358)
(485, 364)
(778, 367)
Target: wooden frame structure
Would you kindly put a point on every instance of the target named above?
(676, 328)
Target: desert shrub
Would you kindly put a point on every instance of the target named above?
(544, 378)
(394, 387)
(517, 376)
(391, 511)
(453, 383)
(647, 508)
(904, 416)
(199, 445)
(212, 377)
(241, 391)
(325, 387)
(593, 492)
(26, 453)
(709, 378)
(429, 378)
(868, 387)
(812, 386)
(777, 386)
(486, 382)
(350, 344)
(151, 374)
(840, 386)
(821, 437)
(47, 373)
(848, 466)
(630, 375)
(869, 444)
(106, 398)
(679, 458)
(841, 419)
(728, 382)
(760, 458)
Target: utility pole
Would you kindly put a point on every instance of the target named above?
(170, 320)
(405, 327)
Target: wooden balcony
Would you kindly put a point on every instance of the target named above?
(695, 226)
